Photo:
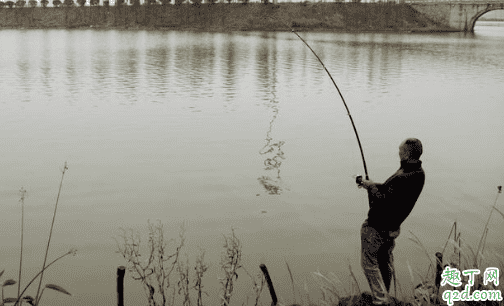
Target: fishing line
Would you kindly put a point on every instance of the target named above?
(339, 92)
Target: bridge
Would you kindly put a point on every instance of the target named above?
(449, 15)
(459, 15)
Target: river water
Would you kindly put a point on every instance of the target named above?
(177, 126)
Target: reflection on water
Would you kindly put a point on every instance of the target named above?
(274, 161)
(267, 73)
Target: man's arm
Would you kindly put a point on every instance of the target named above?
(394, 187)
(373, 188)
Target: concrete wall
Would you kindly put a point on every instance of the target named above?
(337, 16)
(456, 16)
(437, 13)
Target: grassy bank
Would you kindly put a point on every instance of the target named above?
(225, 17)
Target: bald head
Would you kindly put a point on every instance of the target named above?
(410, 148)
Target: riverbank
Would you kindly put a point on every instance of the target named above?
(227, 17)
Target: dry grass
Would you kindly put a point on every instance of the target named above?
(456, 254)
(230, 263)
(155, 270)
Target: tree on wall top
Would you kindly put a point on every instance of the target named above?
(20, 3)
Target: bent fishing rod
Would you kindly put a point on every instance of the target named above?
(342, 99)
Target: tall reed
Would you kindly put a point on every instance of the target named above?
(29, 299)
(37, 297)
(485, 229)
(23, 193)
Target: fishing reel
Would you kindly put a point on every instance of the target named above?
(358, 181)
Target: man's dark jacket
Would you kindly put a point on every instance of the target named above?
(391, 202)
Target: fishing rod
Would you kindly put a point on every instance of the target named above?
(351, 120)
(342, 99)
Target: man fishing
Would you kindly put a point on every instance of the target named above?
(389, 205)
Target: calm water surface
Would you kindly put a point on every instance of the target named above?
(177, 126)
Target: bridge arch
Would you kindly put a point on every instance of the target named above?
(456, 16)
(488, 8)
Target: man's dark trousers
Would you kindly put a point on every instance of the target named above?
(377, 261)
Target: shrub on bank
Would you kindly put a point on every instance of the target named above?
(20, 3)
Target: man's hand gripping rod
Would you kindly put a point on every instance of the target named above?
(342, 99)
